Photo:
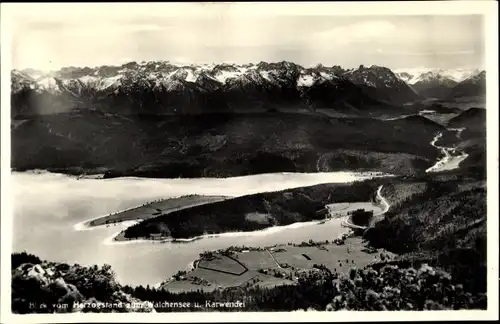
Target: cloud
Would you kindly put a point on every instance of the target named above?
(79, 27)
(358, 32)
(180, 60)
(105, 28)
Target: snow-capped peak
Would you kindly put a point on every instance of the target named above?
(414, 75)
(48, 83)
(478, 77)
(186, 74)
(305, 80)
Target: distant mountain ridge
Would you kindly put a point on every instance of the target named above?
(441, 83)
(414, 75)
(163, 87)
(160, 87)
(472, 86)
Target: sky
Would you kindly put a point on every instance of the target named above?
(94, 37)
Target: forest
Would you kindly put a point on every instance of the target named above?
(446, 222)
(361, 217)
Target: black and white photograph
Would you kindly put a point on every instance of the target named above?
(293, 160)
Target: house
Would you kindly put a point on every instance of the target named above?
(156, 236)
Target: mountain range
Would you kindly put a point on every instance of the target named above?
(160, 87)
(441, 83)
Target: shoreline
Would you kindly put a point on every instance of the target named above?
(361, 175)
(262, 232)
(190, 267)
(85, 226)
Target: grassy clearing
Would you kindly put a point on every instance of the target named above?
(222, 280)
(154, 209)
(342, 209)
(339, 258)
(255, 260)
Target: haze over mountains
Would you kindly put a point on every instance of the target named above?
(160, 87)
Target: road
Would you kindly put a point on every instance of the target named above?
(272, 256)
(383, 200)
(16, 123)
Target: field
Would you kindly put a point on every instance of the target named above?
(342, 209)
(260, 268)
(222, 279)
(224, 264)
(255, 260)
(208, 280)
(154, 209)
(339, 258)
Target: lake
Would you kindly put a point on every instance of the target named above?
(46, 207)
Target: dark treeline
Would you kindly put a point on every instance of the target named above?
(19, 258)
(304, 295)
(361, 217)
(473, 139)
